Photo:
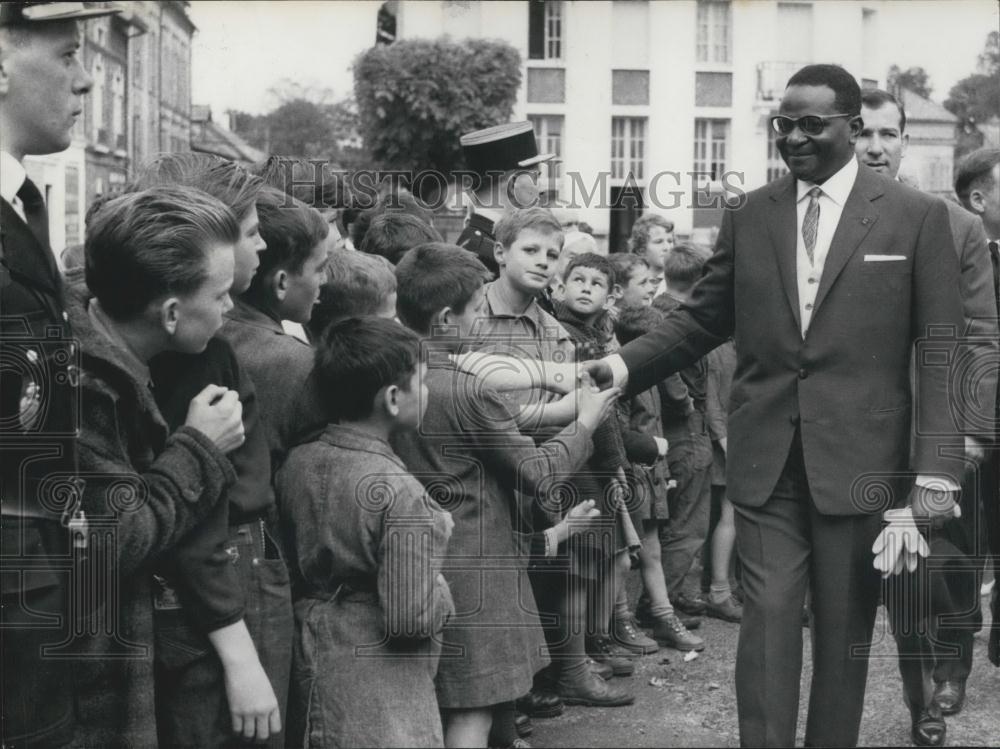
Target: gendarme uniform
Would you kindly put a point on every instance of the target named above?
(490, 153)
(38, 425)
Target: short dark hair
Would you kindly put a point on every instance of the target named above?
(222, 179)
(357, 357)
(147, 245)
(291, 230)
(433, 276)
(392, 233)
(512, 224)
(316, 182)
(634, 322)
(846, 91)
(398, 201)
(976, 170)
(876, 98)
(624, 263)
(356, 285)
(640, 230)
(683, 265)
(595, 261)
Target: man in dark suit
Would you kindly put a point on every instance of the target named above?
(826, 279)
(41, 87)
(977, 185)
(944, 654)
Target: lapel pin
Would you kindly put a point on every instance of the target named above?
(865, 221)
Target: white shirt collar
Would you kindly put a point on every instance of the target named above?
(12, 176)
(837, 187)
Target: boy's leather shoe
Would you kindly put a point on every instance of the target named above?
(630, 637)
(540, 703)
(950, 696)
(593, 692)
(670, 631)
(602, 650)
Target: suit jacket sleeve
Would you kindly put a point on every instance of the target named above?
(694, 328)
(936, 306)
(980, 309)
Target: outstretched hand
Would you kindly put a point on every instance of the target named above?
(599, 371)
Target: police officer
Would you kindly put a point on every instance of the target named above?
(42, 84)
(505, 161)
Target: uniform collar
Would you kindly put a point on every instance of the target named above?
(838, 187)
(12, 176)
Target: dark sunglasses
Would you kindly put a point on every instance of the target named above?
(811, 124)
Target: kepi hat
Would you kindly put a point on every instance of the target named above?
(502, 148)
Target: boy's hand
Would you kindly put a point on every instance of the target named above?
(217, 413)
(578, 519)
(593, 404)
(252, 702)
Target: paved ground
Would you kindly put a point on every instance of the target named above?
(697, 705)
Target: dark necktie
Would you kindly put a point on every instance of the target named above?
(34, 211)
(810, 224)
(994, 246)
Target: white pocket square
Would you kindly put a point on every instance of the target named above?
(883, 258)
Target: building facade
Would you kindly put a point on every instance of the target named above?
(658, 106)
(139, 106)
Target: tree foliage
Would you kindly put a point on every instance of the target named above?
(976, 98)
(914, 79)
(416, 97)
(305, 122)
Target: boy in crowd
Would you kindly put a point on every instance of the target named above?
(391, 233)
(589, 283)
(529, 243)
(285, 287)
(633, 279)
(652, 239)
(217, 592)
(441, 298)
(356, 285)
(369, 546)
(690, 455)
(647, 449)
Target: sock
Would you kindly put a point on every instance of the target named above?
(719, 592)
(503, 732)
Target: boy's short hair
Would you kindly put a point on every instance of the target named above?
(358, 356)
(398, 201)
(433, 276)
(624, 264)
(514, 222)
(356, 285)
(684, 265)
(392, 233)
(634, 322)
(640, 230)
(318, 183)
(147, 245)
(595, 261)
(225, 180)
(291, 230)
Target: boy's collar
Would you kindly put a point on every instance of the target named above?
(499, 296)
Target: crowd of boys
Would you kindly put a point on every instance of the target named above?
(327, 496)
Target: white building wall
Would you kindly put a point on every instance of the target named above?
(594, 44)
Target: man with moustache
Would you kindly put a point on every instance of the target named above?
(42, 85)
(951, 591)
(825, 278)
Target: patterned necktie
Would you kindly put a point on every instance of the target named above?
(34, 211)
(810, 225)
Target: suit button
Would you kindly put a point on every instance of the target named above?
(803, 374)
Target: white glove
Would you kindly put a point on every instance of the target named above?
(900, 544)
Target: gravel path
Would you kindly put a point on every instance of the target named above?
(697, 704)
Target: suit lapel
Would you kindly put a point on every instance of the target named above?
(24, 254)
(781, 226)
(856, 220)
